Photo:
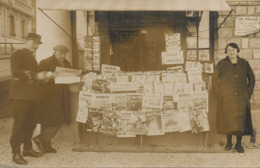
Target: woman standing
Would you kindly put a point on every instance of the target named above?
(233, 82)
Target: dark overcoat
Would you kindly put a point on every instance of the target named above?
(234, 86)
(23, 87)
(54, 107)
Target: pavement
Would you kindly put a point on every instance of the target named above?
(69, 156)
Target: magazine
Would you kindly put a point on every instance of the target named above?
(154, 123)
(122, 78)
(110, 122)
(124, 87)
(168, 77)
(118, 101)
(185, 102)
(169, 103)
(85, 101)
(110, 69)
(170, 121)
(148, 88)
(152, 102)
(87, 81)
(100, 85)
(158, 88)
(101, 101)
(126, 127)
(184, 121)
(134, 102)
(138, 122)
(95, 119)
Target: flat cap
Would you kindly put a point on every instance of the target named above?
(35, 37)
(61, 48)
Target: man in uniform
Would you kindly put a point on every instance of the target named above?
(24, 93)
(55, 103)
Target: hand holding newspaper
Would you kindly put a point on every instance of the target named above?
(67, 75)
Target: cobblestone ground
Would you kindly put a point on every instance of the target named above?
(66, 157)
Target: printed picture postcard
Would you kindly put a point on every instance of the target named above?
(170, 121)
(154, 123)
(126, 127)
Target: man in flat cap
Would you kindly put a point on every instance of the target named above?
(24, 93)
(55, 103)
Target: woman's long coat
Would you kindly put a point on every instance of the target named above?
(54, 107)
(234, 86)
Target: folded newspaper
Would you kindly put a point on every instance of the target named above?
(67, 75)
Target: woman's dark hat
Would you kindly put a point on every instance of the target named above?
(35, 37)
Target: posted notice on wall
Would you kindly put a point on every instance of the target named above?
(67, 75)
(246, 25)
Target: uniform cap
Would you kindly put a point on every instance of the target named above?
(35, 37)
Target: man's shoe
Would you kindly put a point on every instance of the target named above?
(31, 153)
(18, 159)
(239, 148)
(39, 144)
(228, 147)
(50, 149)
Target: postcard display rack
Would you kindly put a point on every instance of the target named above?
(126, 104)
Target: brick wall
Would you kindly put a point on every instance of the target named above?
(249, 45)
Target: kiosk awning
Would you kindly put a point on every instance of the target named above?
(136, 5)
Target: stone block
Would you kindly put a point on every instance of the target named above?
(240, 10)
(223, 13)
(243, 3)
(246, 54)
(257, 77)
(225, 32)
(251, 10)
(256, 53)
(257, 34)
(230, 22)
(252, 2)
(245, 42)
(257, 10)
(256, 95)
(219, 55)
(220, 20)
(222, 42)
(251, 35)
(235, 40)
(233, 2)
(255, 64)
(254, 43)
(257, 86)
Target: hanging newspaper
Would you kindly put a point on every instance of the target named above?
(126, 128)
(150, 76)
(168, 77)
(85, 101)
(110, 69)
(169, 103)
(181, 77)
(170, 121)
(67, 75)
(134, 102)
(118, 101)
(158, 88)
(154, 123)
(110, 122)
(185, 103)
(101, 101)
(199, 86)
(152, 103)
(148, 88)
(168, 88)
(177, 69)
(138, 122)
(124, 87)
(199, 117)
(194, 76)
(95, 119)
(172, 60)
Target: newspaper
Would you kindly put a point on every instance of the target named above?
(134, 102)
(172, 60)
(185, 102)
(122, 78)
(158, 88)
(124, 87)
(154, 123)
(95, 119)
(199, 86)
(181, 77)
(85, 101)
(87, 80)
(138, 122)
(168, 77)
(118, 101)
(168, 88)
(192, 65)
(67, 75)
(110, 122)
(126, 128)
(170, 121)
(101, 100)
(148, 88)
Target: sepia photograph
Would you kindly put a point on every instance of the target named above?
(129, 83)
